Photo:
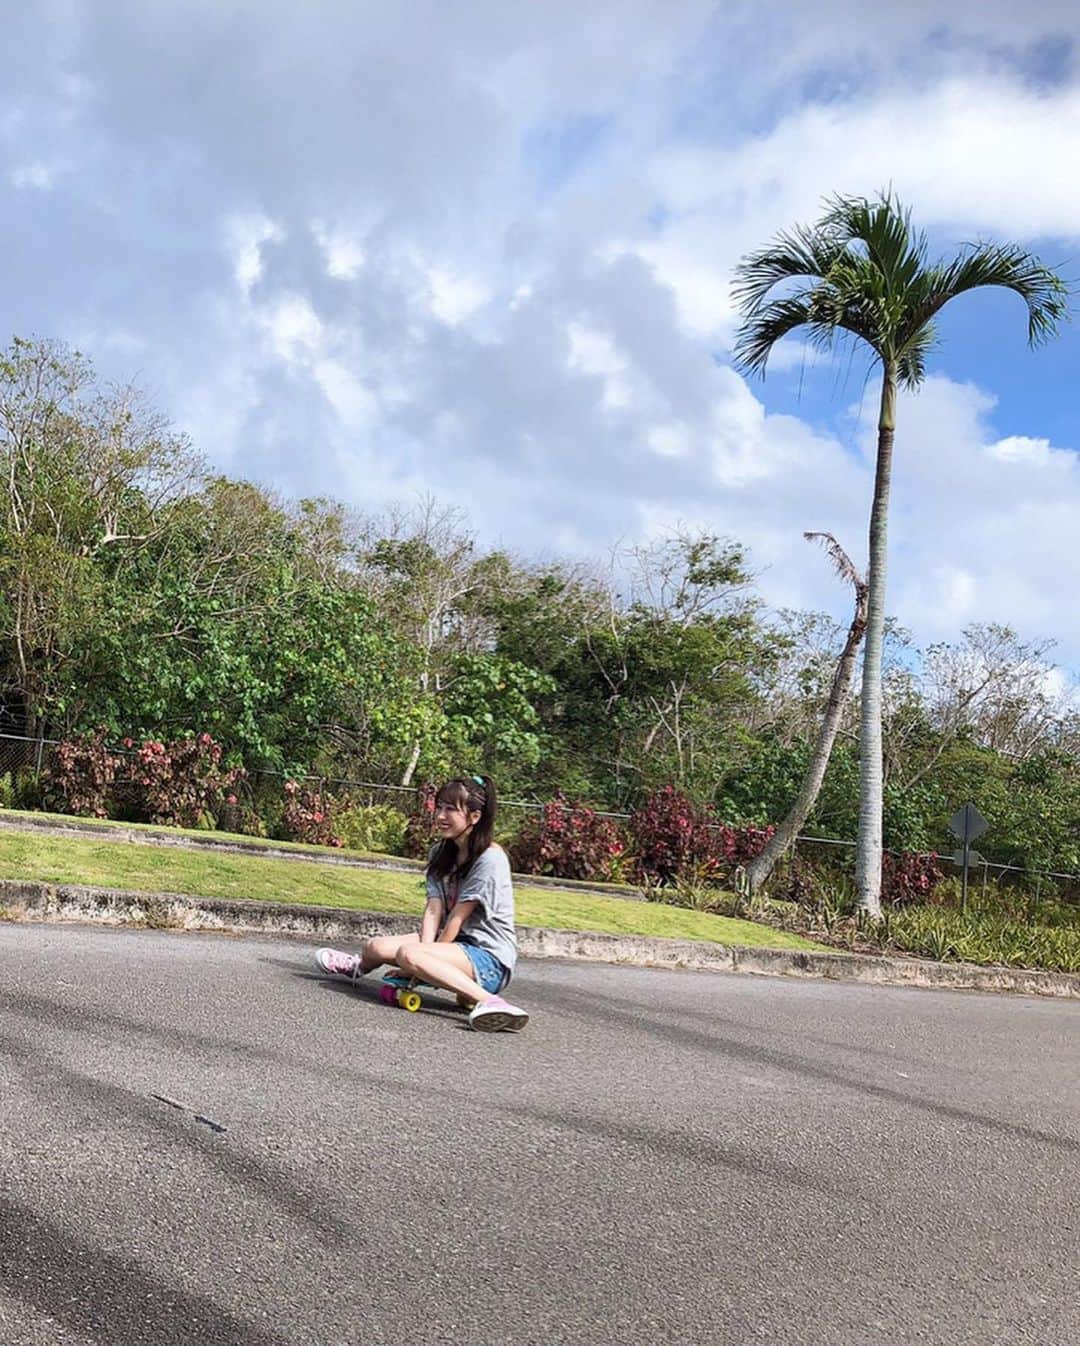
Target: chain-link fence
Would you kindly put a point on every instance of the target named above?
(984, 876)
(19, 754)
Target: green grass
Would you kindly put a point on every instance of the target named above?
(206, 834)
(138, 868)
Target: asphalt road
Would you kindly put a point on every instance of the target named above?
(659, 1157)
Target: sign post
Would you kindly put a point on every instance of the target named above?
(966, 824)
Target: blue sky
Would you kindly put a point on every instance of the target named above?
(484, 251)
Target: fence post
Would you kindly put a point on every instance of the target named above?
(1033, 906)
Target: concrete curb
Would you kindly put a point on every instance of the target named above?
(269, 850)
(31, 901)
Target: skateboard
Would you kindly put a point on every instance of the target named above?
(403, 991)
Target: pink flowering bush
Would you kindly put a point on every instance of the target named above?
(570, 841)
(309, 816)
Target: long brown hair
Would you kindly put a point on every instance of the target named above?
(475, 794)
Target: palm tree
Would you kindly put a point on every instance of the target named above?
(862, 273)
(759, 869)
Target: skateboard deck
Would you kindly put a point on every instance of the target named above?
(404, 991)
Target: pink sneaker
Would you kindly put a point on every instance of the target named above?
(497, 1016)
(337, 964)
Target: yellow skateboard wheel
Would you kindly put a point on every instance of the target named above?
(410, 1000)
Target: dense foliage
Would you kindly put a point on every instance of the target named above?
(144, 598)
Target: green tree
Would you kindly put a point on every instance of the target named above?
(89, 476)
(653, 688)
(232, 622)
(863, 273)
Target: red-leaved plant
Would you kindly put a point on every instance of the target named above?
(82, 775)
(309, 816)
(909, 877)
(674, 837)
(420, 823)
(183, 783)
(569, 841)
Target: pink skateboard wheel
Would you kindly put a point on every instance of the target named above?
(388, 995)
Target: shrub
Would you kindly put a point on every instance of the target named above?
(83, 773)
(28, 789)
(241, 817)
(23, 788)
(569, 841)
(909, 877)
(796, 881)
(184, 782)
(674, 836)
(375, 827)
(980, 937)
(670, 837)
(420, 823)
(740, 845)
(309, 816)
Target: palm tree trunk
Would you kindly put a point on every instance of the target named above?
(868, 846)
(759, 869)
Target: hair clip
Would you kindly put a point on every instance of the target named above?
(479, 780)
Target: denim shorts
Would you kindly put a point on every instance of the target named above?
(487, 969)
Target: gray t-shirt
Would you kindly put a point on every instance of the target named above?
(488, 884)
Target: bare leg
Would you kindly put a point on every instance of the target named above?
(384, 949)
(445, 965)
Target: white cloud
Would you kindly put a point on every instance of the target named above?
(38, 176)
(981, 528)
(1024, 449)
(293, 327)
(492, 259)
(700, 283)
(593, 352)
(977, 155)
(957, 592)
(343, 253)
(245, 236)
(670, 441)
(454, 296)
(352, 402)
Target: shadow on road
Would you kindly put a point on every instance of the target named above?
(367, 988)
(682, 1035)
(49, 1078)
(108, 1298)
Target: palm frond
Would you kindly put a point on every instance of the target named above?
(845, 567)
(862, 270)
(1009, 267)
(853, 301)
(765, 326)
(796, 254)
(883, 227)
(911, 358)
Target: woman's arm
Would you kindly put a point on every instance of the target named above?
(458, 917)
(432, 919)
